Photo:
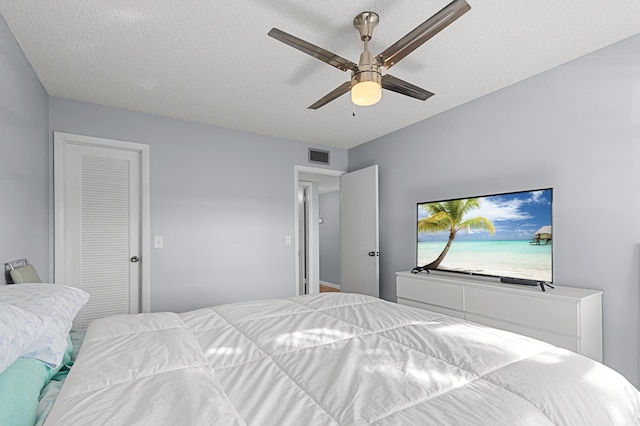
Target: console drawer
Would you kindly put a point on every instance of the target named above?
(432, 308)
(557, 316)
(446, 295)
(561, 340)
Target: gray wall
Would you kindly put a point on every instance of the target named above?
(330, 238)
(575, 128)
(24, 159)
(223, 200)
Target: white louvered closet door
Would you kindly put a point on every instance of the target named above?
(102, 228)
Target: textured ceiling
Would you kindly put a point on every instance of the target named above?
(212, 61)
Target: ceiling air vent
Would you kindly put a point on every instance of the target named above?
(318, 156)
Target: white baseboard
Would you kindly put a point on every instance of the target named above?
(332, 285)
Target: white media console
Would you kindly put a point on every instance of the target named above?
(567, 317)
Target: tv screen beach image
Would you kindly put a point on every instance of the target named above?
(505, 235)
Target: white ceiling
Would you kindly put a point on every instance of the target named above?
(212, 61)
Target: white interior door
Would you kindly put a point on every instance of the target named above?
(359, 261)
(100, 202)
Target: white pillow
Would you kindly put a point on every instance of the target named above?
(50, 344)
(58, 305)
(18, 330)
(52, 300)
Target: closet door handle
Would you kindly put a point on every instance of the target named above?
(135, 259)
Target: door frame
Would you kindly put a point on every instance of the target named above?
(60, 142)
(305, 204)
(312, 241)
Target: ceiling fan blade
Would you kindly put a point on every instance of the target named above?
(313, 50)
(394, 84)
(423, 32)
(334, 94)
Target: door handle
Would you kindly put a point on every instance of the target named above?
(374, 253)
(135, 259)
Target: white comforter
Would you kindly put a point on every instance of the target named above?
(330, 359)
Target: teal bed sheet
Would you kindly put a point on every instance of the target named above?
(50, 392)
(24, 383)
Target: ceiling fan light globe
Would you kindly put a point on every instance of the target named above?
(366, 93)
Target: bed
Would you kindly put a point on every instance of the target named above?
(330, 359)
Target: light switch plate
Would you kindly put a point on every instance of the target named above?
(158, 241)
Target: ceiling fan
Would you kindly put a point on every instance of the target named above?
(367, 79)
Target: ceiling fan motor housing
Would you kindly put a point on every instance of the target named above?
(366, 81)
(368, 70)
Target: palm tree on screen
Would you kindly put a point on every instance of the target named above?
(449, 216)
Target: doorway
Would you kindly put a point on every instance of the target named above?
(311, 185)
